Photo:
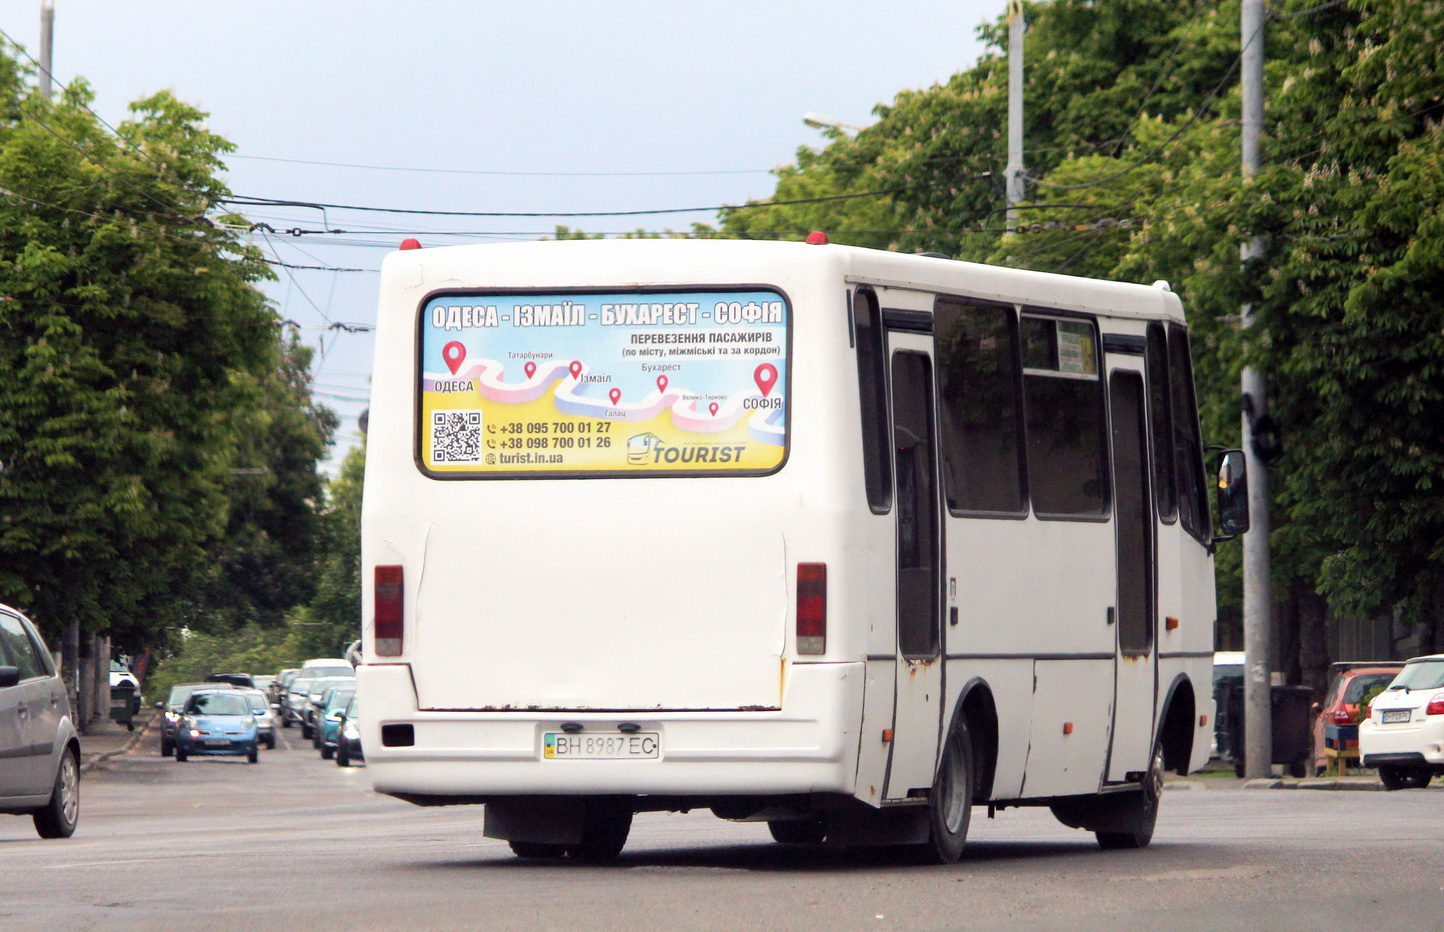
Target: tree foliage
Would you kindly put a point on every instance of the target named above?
(140, 369)
(1132, 131)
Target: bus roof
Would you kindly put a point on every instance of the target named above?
(658, 262)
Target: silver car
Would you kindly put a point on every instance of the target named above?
(261, 712)
(40, 776)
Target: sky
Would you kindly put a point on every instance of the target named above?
(557, 107)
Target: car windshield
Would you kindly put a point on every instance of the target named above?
(218, 704)
(339, 698)
(1361, 684)
(1426, 674)
(353, 708)
(256, 701)
(300, 684)
(338, 670)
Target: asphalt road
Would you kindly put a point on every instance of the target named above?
(295, 842)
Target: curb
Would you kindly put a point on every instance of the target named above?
(1277, 783)
(90, 764)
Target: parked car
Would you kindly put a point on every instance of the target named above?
(1227, 676)
(348, 741)
(281, 683)
(317, 690)
(216, 721)
(120, 675)
(174, 706)
(39, 750)
(242, 680)
(261, 712)
(1404, 733)
(1336, 719)
(328, 718)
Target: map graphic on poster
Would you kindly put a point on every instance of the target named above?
(658, 383)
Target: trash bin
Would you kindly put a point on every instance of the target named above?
(122, 705)
(1293, 739)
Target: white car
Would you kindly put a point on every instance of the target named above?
(1404, 733)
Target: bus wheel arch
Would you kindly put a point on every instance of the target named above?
(1175, 728)
(979, 713)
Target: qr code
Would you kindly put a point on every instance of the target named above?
(456, 437)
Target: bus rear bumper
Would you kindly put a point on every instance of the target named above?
(810, 745)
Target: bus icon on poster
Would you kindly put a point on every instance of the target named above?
(640, 447)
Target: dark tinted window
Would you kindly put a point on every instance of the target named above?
(872, 392)
(1187, 445)
(1160, 413)
(917, 521)
(17, 649)
(979, 388)
(1063, 403)
(1132, 518)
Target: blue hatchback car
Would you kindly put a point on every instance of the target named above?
(217, 722)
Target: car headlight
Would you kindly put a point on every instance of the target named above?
(351, 730)
(195, 732)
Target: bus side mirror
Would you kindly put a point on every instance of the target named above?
(1232, 494)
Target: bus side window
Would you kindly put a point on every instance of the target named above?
(1160, 414)
(1063, 404)
(981, 406)
(1187, 446)
(872, 392)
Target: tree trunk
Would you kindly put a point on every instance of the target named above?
(101, 708)
(1314, 656)
(85, 691)
(1287, 615)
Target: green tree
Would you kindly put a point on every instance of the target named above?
(138, 357)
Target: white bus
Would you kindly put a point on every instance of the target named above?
(837, 539)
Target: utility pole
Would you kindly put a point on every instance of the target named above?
(1257, 589)
(47, 40)
(1013, 173)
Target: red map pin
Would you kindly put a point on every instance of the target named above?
(576, 369)
(661, 383)
(530, 368)
(454, 354)
(765, 377)
(615, 394)
(712, 409)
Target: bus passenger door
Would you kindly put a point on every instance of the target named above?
(919, 692)
(1135, 688)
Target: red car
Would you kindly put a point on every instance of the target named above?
(1337, 720)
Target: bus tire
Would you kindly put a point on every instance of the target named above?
(537, 849)
(604, 830)
(809, 831)
(1142, 811)
(950, 803)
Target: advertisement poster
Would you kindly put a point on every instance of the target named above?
(645, 383)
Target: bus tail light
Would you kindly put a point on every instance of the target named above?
(1436, 705)
(811, 608)
(390, 614)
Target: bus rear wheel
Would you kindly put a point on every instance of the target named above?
(537, 849)
(1142, 811)
(809, 831)
(950, 803)
(605, 828)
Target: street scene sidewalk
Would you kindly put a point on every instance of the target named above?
(104, 740)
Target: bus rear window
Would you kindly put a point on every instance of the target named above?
(603, 384)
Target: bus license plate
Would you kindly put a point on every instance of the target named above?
(643, 745)
(1396, 716)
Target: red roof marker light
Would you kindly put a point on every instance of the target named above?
(411, 242)
(817, 238)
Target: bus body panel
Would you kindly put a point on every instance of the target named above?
(809, 748)
(669, 603)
